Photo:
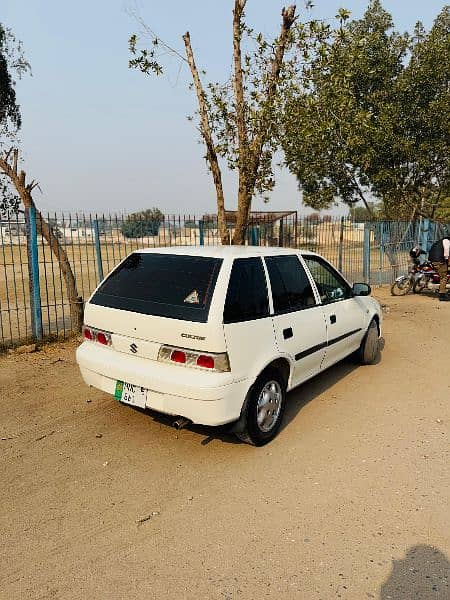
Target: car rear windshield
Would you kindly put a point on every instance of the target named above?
(164, 285)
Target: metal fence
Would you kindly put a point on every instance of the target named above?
(33, 297)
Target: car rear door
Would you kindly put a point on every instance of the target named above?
(345, 316)
(298, 318)
(247, 322)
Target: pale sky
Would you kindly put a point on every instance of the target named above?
(102, 138)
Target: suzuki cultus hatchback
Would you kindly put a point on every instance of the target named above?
(219, 335)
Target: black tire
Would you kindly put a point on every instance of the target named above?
(258, 431)
(401, 288)
(369, 351)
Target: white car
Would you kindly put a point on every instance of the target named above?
(216, 335)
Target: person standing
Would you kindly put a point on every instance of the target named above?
(439, 254)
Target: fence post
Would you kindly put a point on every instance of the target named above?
(424, 234)
(341, 243)
(98, 251)
(280, 234)
(201, 232)
(366, 253)
(33, 270)
(296, 230)
(380, 252)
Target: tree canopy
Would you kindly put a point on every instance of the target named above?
(12, 64)
(142, 224)
(371, 118)
(9, 109)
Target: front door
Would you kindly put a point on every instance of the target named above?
(344, 314)
(298, 319)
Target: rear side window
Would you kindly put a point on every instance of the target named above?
(247, 297)
(291, 289)
(164, 285)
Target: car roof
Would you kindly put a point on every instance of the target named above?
(224, 251)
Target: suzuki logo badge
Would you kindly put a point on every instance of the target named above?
(133, 348)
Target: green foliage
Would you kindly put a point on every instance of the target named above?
(422, 121)
(361, 214)
(11, 61)
(442, 212)
(371, 115)
(12, 64)
(142, 224)
(144, 60)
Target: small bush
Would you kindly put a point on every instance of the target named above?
(142, 224)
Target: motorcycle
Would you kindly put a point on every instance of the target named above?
(420, 276)
(428, 279)
(406, 283)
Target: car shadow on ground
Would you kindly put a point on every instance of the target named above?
(207, 433)
(307, 392)
(424, 574)
(297, 399)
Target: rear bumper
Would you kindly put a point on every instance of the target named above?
(204, 398)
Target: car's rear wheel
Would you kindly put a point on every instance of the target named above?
(265, 408)
(369, 350)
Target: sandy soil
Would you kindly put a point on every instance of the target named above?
(350, 501)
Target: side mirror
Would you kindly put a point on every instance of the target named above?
(361, 289)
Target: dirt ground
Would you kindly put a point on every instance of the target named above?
(352, 499)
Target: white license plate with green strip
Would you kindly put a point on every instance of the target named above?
(130, 394)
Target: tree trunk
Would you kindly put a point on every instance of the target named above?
(75, 301)
(242, 217)
(24, 190)
(243, 158)
(211, 153)
(255, 146)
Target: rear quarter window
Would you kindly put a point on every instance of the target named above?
(247, 297)
(165, 285)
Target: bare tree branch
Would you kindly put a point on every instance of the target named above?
(147, 30)
(205, 128)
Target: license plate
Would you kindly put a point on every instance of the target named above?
(130, 394)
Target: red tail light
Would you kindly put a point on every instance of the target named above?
(178, 356)
(205, 361)
(102, 339)
(217, 362)
(94, 335)
(88, 334)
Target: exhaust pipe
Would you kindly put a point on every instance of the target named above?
(181, 422)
